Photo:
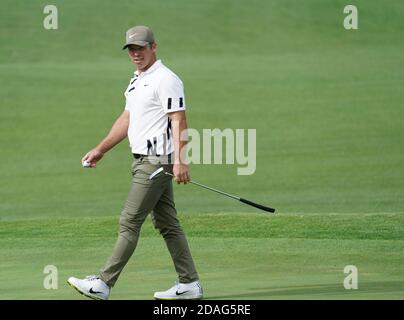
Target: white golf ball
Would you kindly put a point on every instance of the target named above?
(86, 164)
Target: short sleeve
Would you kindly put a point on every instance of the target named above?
(126, 99)
(129, 89)
(171, 94)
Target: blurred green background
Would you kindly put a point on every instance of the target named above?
(326, 103)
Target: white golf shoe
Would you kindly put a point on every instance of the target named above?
(92, 287)
(181, 291)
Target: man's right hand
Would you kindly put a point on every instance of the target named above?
(93, 157)
(117, 133)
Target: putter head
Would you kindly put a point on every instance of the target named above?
(155, 173)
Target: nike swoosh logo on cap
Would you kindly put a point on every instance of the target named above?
(131, 36)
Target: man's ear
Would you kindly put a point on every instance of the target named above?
(154, 46)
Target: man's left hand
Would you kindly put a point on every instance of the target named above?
(181, 173)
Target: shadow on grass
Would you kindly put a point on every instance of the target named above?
(323, 290)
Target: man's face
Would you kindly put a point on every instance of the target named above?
(142, 57)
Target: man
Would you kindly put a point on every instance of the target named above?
(153, 120)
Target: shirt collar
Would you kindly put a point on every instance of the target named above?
(157, 64)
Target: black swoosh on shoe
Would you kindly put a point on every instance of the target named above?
(180, 293)
(94, 292)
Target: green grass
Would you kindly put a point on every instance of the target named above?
(327, 107)
(239, 256)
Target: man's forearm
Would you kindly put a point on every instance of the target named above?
(180, 139)
(117, 133)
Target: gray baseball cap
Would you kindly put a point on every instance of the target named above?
(139, 35)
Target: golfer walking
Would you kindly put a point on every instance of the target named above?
(153, 120)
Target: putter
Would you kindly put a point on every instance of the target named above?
(253, 204)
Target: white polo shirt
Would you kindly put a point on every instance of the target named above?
(150, 96)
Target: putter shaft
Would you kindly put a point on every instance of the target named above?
(209, 188)
(250, 203)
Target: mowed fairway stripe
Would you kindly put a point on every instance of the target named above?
(221, 225)
(239, 256)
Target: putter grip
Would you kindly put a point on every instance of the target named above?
(259, 206)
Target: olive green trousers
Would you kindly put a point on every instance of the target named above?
(153, 196)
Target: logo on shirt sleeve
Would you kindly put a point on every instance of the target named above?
(180, 103)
